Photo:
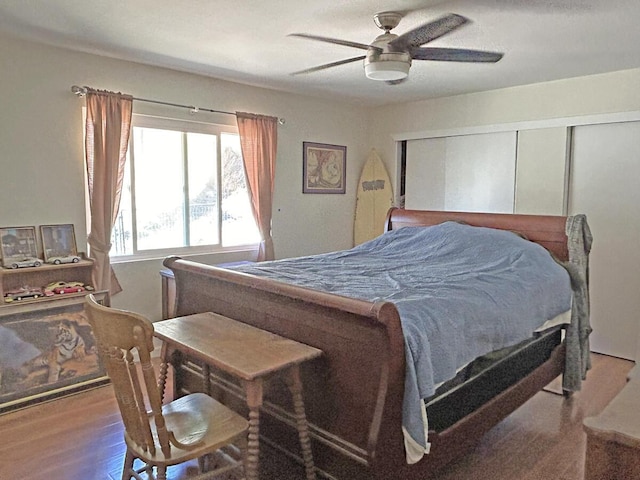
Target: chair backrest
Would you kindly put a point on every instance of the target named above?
(121, 335)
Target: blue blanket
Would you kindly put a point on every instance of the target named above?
(461, 292)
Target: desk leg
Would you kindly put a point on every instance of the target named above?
(254, 402)
(206, 379)
(164, 368)
(295, 385)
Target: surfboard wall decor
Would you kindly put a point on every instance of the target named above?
(374, 198)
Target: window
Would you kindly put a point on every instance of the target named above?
(184, 190)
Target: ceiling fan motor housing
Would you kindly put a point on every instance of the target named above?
(387, 20)
(385, 64)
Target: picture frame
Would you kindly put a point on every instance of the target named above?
(323, 168)
(47, 350)
(19, 247)
(58, 241)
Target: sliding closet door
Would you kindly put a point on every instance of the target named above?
(472, 173)
(604, 179)
(424, 178)
(480, 173)
(541, 171)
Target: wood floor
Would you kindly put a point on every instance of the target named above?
(80, 438)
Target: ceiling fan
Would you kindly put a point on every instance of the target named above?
(389, 56)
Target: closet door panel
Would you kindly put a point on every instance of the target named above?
(424, 180)
(540, 171)
(480, 173)
(474, 173)
(604, 178)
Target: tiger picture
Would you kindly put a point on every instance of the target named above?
(68, 344)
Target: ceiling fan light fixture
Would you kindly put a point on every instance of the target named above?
(387, 71)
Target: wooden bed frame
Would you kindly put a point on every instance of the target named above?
(353, 393)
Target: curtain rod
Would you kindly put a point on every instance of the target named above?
(82, 91)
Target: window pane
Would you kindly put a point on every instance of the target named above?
(159, 188)
(184, 187)
(238, 224)
(203, 189)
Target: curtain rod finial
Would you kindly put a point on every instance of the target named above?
(281, 121)
(80, 91)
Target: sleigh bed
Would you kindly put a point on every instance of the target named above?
(354, 393)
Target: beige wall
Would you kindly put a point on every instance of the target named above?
(41, 152)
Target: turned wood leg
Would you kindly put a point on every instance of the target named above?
(242, 445)
(206, 383)
(128, 466)
(164, 369)
(254, 402)
(295, 385)
(162, 472)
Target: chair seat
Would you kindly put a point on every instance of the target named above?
(195, 418)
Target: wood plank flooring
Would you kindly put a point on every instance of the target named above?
(80, 438)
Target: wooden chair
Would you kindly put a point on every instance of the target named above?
(193, 426)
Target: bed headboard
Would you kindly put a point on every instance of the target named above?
(546, 230)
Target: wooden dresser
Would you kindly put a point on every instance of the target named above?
(613, 438)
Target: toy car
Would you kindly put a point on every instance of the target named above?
(65, 259)
(22, 293)
(67, 287)
(25, 262)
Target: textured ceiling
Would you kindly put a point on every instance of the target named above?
(246, 40)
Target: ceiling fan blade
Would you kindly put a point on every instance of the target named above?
(454, 55)
(336, 41)
(329, 65)
(429, 31)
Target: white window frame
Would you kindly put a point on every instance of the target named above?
(148, 121)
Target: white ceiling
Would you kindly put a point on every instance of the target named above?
(246, 40)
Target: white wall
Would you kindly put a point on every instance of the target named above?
(41, 152)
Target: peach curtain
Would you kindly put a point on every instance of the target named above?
(107, 127)
(259, 143)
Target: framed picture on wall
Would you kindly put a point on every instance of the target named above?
(323, 168)
(58, 243)
(19, 247)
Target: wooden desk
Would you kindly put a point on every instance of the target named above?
(250, 354)
(613, 438)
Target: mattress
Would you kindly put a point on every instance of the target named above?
(485, 361)
(487, 376)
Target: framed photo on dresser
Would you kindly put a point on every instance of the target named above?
(18, 246)
(58, 241)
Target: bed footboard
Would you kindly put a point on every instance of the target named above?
(351, 393)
